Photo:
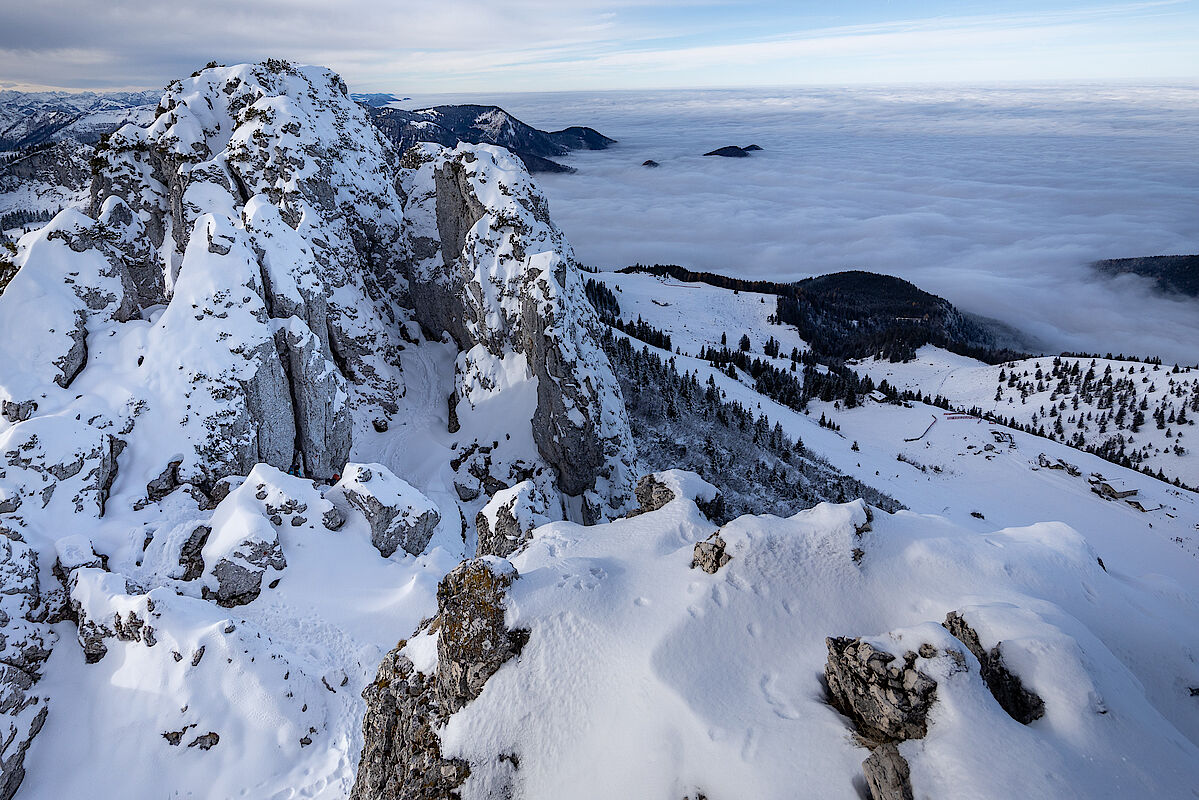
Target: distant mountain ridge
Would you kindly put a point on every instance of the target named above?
(376, 99)
(448, 125)
(28, 119)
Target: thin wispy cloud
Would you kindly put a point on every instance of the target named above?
(469, 45)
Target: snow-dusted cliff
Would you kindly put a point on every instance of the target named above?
(238, 303)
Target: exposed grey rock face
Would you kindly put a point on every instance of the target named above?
(238, 577)
(888, 700)
(508, 519)
(887, 774)
(333, 519)
(322, 426)
(191, 556)
(1021, 704)
(206, 741)
(886, 697)
(472, 640)
(400, 516)
(401, 755)
(25, 644)
(17, 412)
(651, 494)
(504, 284)
(166, 482)
(62, 165)
(710, 555)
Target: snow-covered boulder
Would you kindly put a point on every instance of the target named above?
(241, 549)
(105, 611)
(400, 517)
(508, 519)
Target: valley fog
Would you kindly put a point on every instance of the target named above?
(995, 198)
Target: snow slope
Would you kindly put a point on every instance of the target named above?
(1028, 399)
(696, 314)
(644, 678)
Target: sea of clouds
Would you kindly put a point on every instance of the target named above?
(997, 198)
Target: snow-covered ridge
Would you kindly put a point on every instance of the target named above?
(34, 118)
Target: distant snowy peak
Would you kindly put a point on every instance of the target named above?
(447, 125)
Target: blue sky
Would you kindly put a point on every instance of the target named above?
(528, 45)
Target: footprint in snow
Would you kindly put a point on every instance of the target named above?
(749, 747)
(776, 701)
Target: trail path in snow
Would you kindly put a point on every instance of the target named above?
(418, 445)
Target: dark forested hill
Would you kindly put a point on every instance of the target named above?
(856, 314)
(1179, 274)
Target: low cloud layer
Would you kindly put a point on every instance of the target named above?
(997, 199)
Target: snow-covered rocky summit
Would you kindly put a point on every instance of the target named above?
(255, 267)
(269, 180)
(298, 437)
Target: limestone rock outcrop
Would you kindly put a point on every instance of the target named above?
(400, 517)
(25, 643)
(651, 495)
(710, 555)
(472, 639)
(508, 519)
(488, 266)
(401, 756)
(887, 697)
(1021, 704)
(887, 774)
